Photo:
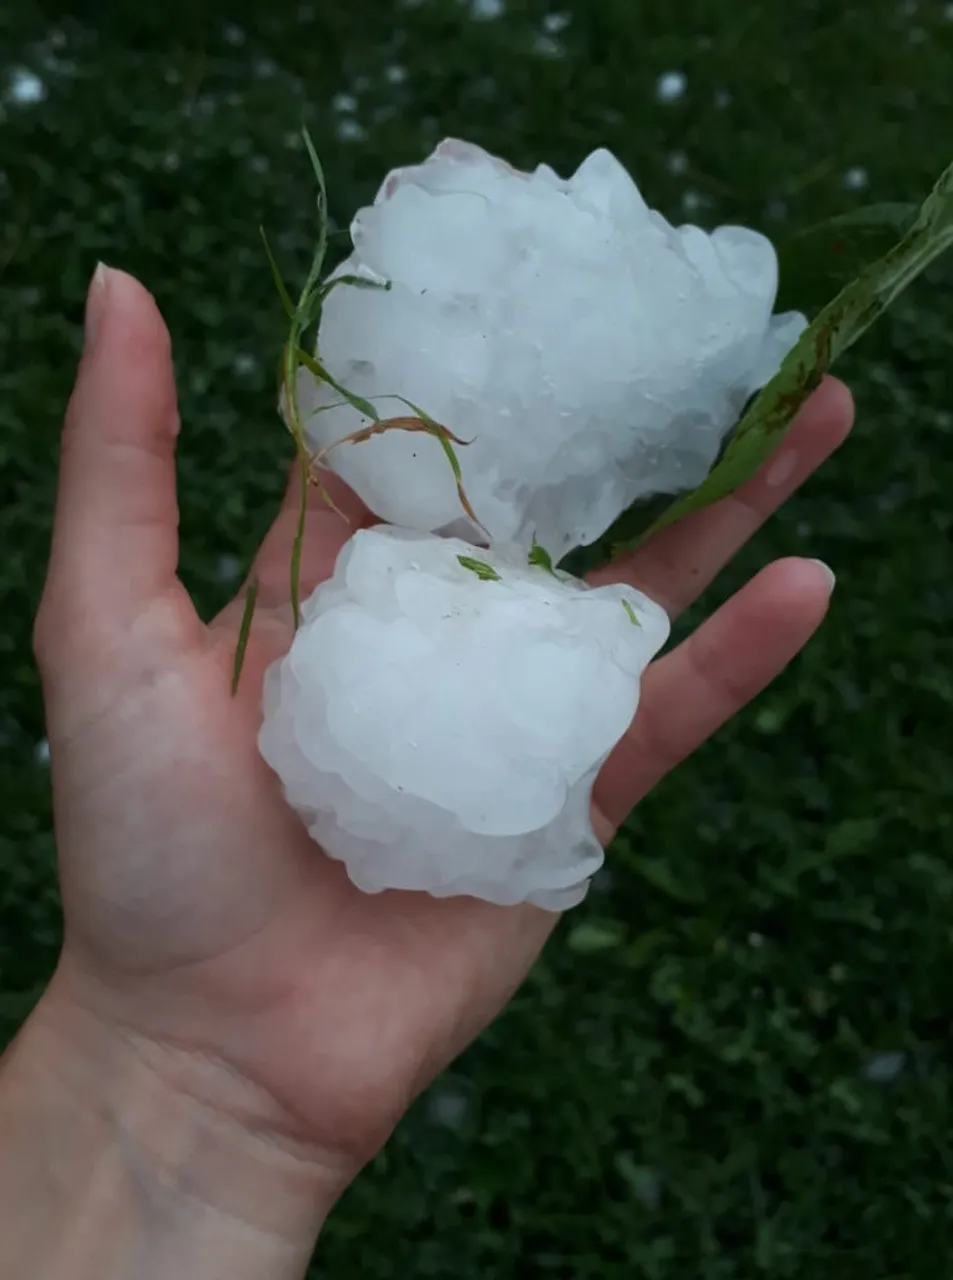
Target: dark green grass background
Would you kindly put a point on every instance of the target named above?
(683, 1088)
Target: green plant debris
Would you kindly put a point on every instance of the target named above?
(485, 572)
(633, 617)
(305, 317)
(355, 282)
(251, 600)
(540, 558)
(838, 326)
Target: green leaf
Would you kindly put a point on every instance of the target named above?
(841, 323)
(485, 572)
(631, 612)
(593, 936)
(540, 558)
(251, 600)
(658, 873)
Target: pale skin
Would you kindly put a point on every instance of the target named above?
(233, 1030)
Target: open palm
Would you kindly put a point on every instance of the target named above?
(201, 920)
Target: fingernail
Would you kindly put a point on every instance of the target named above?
(96, 303)
(828, 574)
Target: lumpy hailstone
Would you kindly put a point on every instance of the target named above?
(592, 353)
(440, 732)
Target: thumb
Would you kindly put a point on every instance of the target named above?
(115, 535)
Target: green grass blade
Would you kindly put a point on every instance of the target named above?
(283, 294)
(315, 367)
(311, 299)
(441, 434)
(251, 600)
(356, 282)
(838, 326)
(297, 547)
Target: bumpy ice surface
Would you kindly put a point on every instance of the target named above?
(440, 732)
(592, 353)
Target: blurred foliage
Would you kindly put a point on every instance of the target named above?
(734, 1061)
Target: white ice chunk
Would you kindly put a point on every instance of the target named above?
(591, 353)
(441, 731)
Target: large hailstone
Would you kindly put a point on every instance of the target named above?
(440, 728)
(593, 354)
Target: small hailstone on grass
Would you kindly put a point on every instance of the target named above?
(671, 86)
(882, 1068)
(443, 712)
(486, 10)
(350, 130)
(588, 352)
(26, 87)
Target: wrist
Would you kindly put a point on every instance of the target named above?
(122, 1157)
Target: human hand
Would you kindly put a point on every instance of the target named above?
(204, 931)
